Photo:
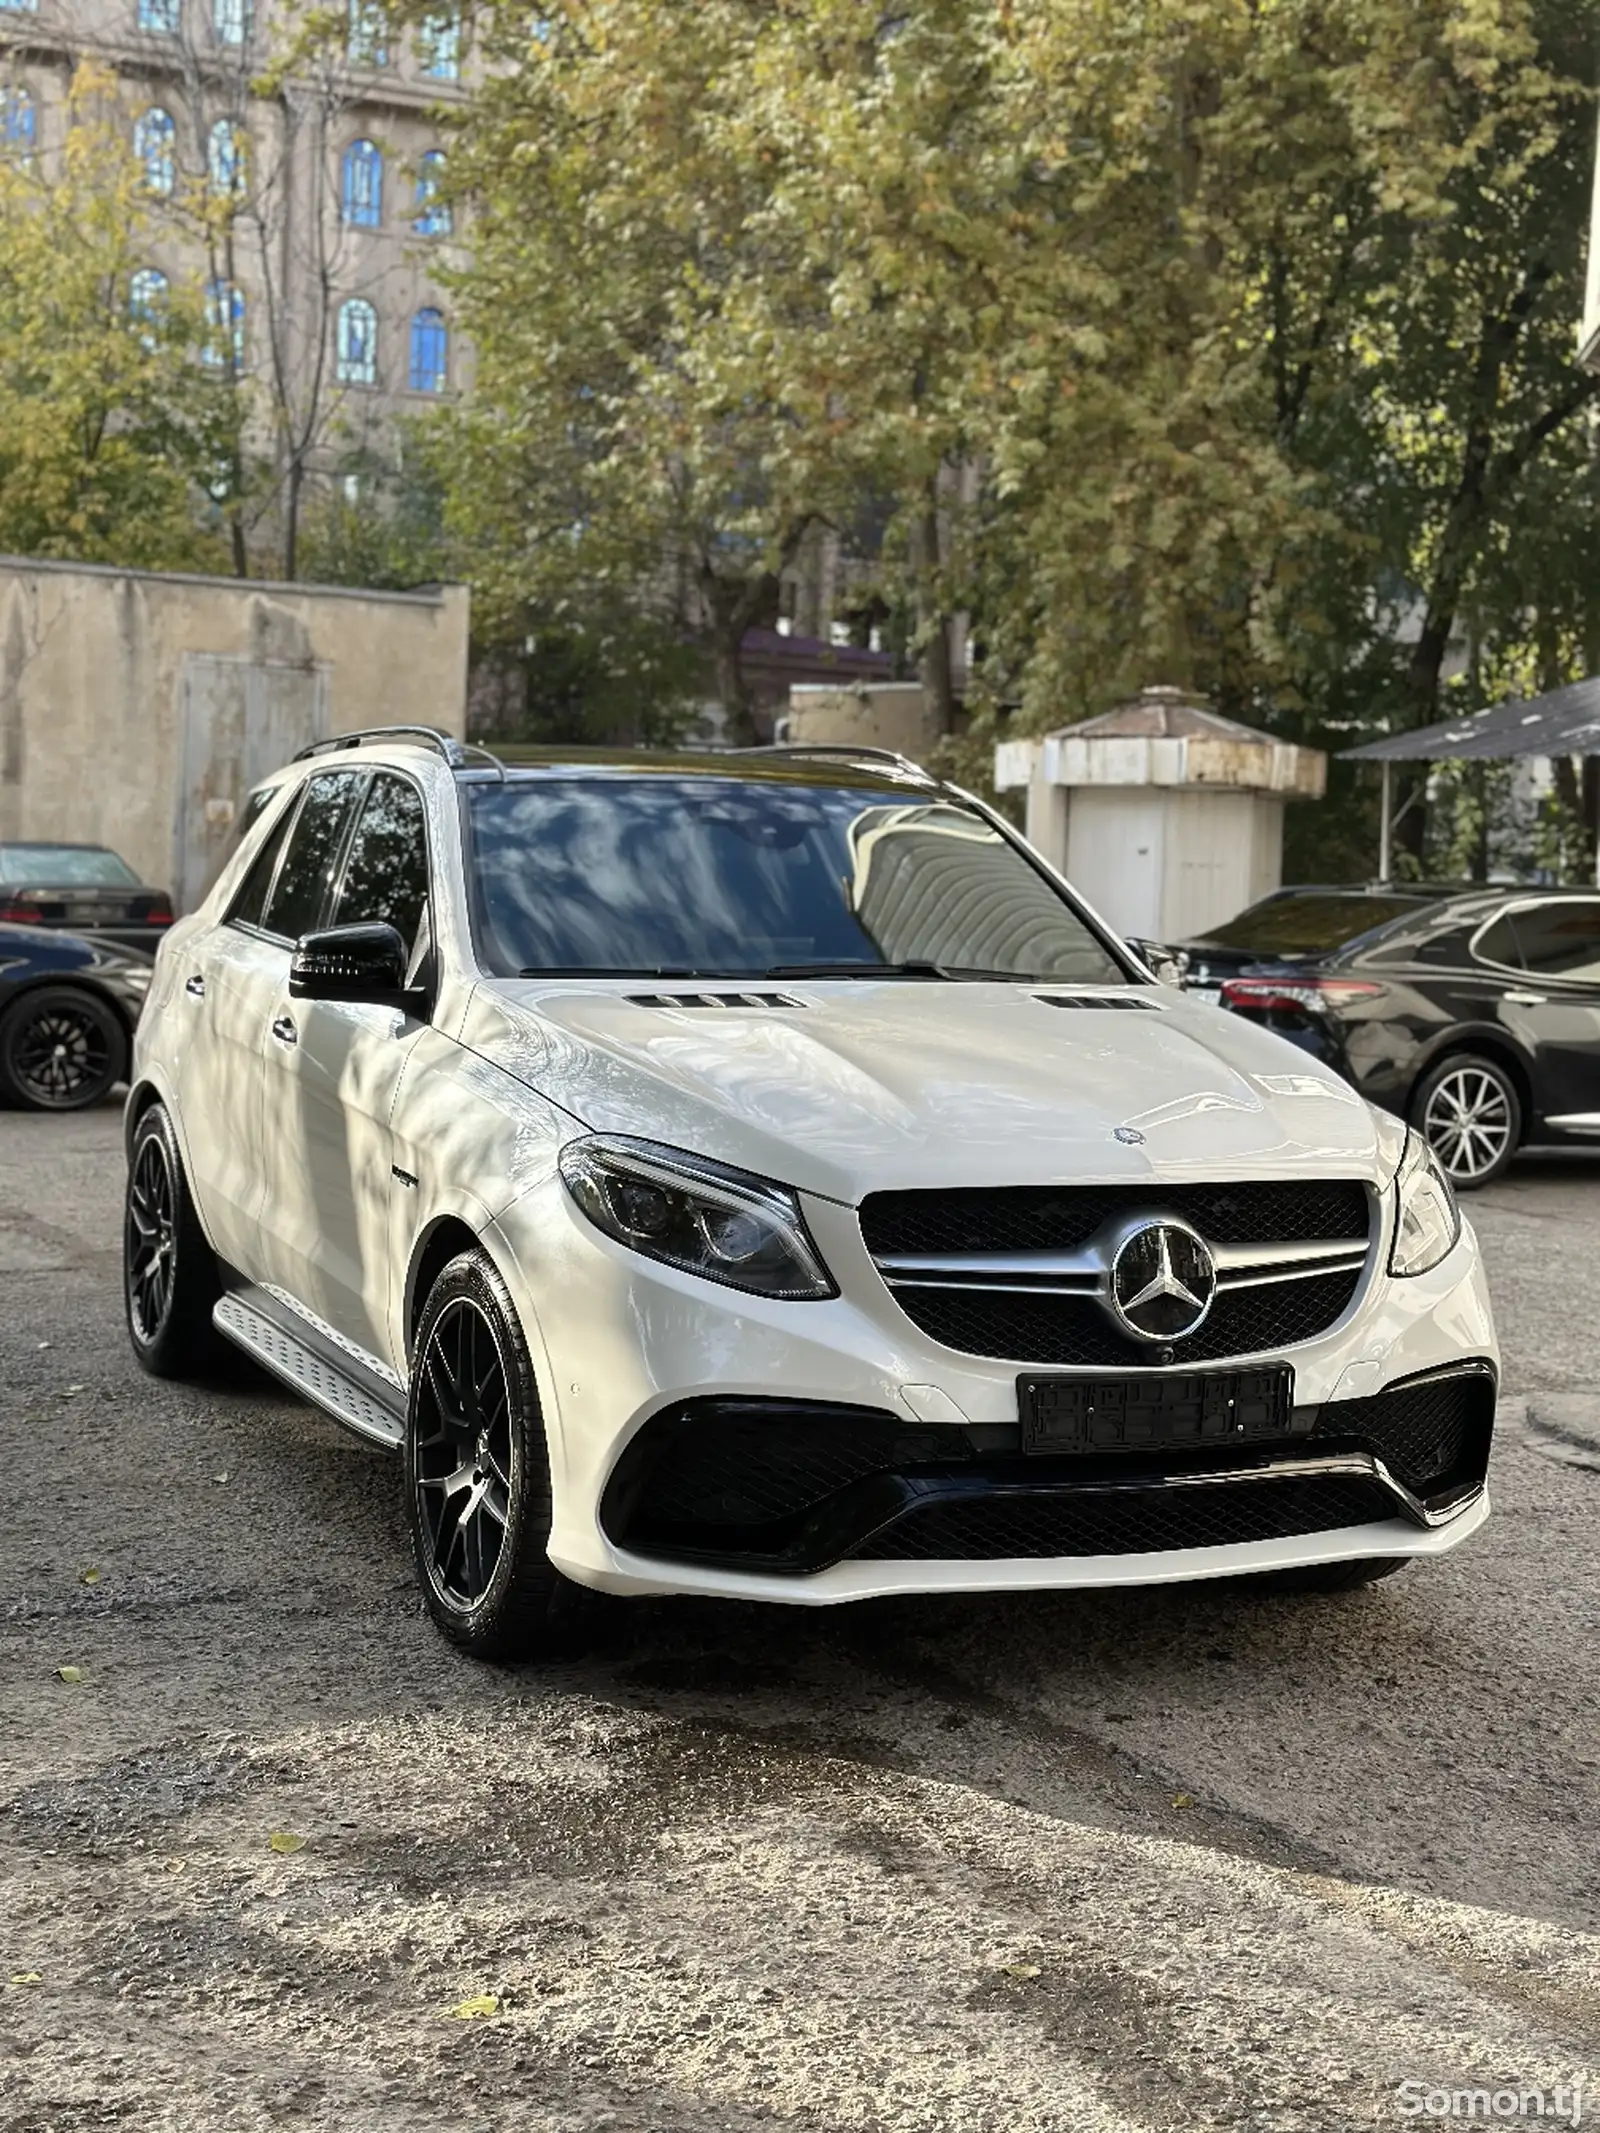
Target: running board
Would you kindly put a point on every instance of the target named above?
(282, 1341)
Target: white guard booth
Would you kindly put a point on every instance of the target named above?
(1167, 816)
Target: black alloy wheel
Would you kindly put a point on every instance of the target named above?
(1469, 1111)
(61, 1049)
(152, 1242)
(478, 1474)
(170, 1278)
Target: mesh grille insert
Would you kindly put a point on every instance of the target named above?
(1426, 1433)
(1042, 1218)
(1130, 1522)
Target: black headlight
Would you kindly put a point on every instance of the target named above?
(696, 1215)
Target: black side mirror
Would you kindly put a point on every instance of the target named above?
(363, 963)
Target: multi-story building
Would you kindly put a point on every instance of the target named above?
(295, 182)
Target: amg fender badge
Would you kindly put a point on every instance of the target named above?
(1130, 1136)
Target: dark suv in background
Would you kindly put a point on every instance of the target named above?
(1475, 1013)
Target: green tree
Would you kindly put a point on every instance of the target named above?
(107, 435)
(712, 304)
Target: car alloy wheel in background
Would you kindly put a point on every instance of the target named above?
(61, 1049)
(1468, 1109)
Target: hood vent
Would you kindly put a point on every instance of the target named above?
(713, 999)
(1094, 999)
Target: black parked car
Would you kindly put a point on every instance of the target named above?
(67, 1011)
(81, 888)
(1475, 1013)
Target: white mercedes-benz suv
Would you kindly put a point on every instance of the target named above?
(757, 1174)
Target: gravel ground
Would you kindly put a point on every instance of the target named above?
(1047, 1864)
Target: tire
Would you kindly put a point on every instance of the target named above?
(478, 1476)
(170, 1277)
(1469, 1109)
(1338, 1577)
(62, 1048)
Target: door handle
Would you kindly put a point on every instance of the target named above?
(195, 985)
(284, 1030)
(1526, 999)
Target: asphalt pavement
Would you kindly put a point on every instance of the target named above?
(1196, 1857)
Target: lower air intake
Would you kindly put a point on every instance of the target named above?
(1131, 1521)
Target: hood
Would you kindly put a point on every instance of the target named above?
(865, 1085)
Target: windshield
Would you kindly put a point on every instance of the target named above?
(64, 866)
(1307, 925)
(710, 876)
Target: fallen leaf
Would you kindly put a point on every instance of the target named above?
(69, 1673)
(71, 1389)
(285, 1840)
(473, 2010)
(1022, 1970)
(91, 1576)
(26, 1977)
(219, 1477)
(1183, 1799)
(42, 1345)
(174, 1866)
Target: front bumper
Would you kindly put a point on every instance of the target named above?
(620, 1344)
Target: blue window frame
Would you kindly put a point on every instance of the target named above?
(361, 192)
(155, 143)
(430, 351)
(369, 34)
(356, 351)
(224, 342)
(18, 121)
(231, 21)
(225, 158)
(147, 292)
(433, 214)
(161, 16)
(147, 302)
(439, 47)
(20, 7)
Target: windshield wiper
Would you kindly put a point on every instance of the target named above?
(646, 970)
(952, 971)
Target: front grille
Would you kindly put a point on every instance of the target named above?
(1075, 1329)
(1045, 1218)
(1432, 1433)
(1130, 1521)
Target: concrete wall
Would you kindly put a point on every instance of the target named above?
(137, 708)
(894, 714)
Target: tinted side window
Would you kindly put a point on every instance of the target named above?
(251, 899)
(1561, 940)
(386, 874)
(1499, 945)
(302, 886)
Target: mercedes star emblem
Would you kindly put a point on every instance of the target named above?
(1163, 1280)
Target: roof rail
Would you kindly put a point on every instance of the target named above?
(454, 752)
(848, 750)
